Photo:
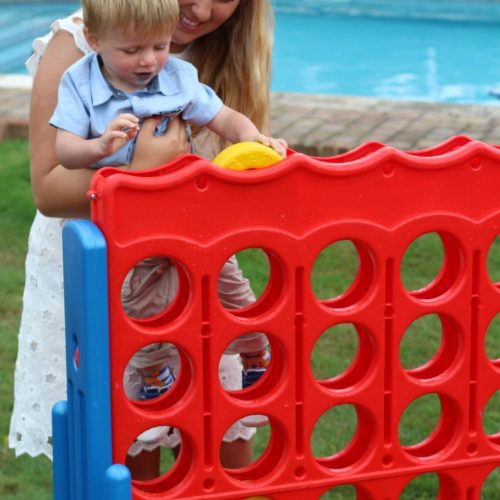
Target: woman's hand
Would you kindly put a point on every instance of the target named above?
(151, 151)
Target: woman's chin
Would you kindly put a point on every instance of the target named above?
(177, 47)
(182, 37)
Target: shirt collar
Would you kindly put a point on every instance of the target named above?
(102, 90)
(167, 83)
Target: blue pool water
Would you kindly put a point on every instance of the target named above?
(20, 23)
(433, 50)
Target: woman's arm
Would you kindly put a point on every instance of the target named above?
(57, 192)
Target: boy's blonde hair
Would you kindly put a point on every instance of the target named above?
(130, 16)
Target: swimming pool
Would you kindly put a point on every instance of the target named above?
(432, 50)
(413, 49)
(18, 29)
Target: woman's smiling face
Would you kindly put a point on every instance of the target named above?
(200, 17)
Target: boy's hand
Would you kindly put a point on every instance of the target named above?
(123, 128)
(279, 145)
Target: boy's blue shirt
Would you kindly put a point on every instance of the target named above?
(87, 102)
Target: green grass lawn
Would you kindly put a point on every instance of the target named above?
(26, 478)
(23, 478)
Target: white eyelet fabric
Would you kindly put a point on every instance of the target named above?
(40, 372)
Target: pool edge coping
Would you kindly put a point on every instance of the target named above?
(15, 81)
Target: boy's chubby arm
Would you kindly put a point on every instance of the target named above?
(236, 127)
(75, 152)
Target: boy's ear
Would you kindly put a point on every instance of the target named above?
(92, 40)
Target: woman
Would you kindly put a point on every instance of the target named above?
(229, 41)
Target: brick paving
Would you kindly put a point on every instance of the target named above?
(14, 112)
(326, 125)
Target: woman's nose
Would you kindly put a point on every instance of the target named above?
(202, 9)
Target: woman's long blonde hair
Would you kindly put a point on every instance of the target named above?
(235, 60)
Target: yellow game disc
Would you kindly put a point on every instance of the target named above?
(247, 155)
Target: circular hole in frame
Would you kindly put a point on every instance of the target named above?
(269, 448)
(493, 262)
(428, 425)
(342, 356)
(491, 418)
(491, 486)
(423, 486)
(156, 376)
(155, 291)
(430, 265)
(419, 420)
(420, 342)
(492, 341)
(254, 265)
(262, 364)
(151, 372)
(250, 282)
(341, 436)
(342, 273)
(429, 346)
(175, 457)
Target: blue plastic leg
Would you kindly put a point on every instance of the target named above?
(118, 483)
(61, 453)
(87, 329)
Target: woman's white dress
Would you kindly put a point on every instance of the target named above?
(40, 372)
